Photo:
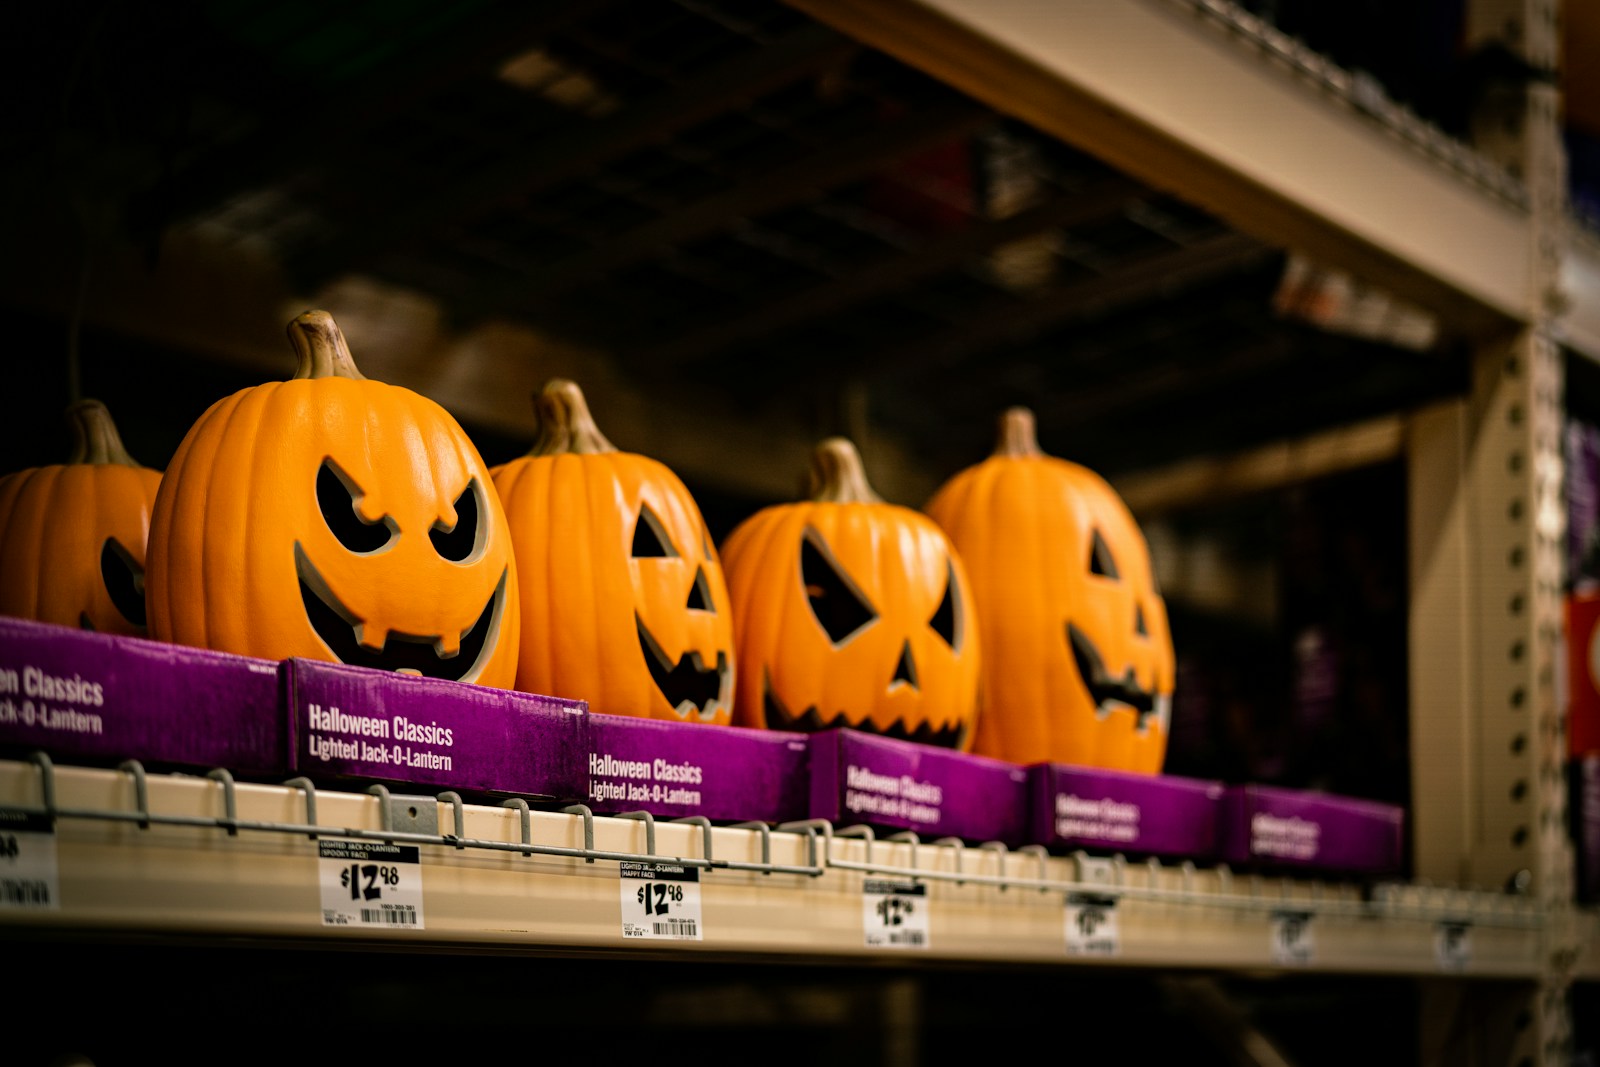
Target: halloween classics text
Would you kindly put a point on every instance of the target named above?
(895, 796)
(33, 698)
(638, 781)
(332, 734)
(1099, 818)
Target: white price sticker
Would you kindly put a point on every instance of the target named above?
(370, 884)
(661, 900)
(29, 877)
(895, 914)
(1452, 944)
(1293, 940)
(1092, 925)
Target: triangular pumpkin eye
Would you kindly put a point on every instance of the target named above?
(946, 621)
(1100, 559)
(836, 603)
(337, 495)
(458, 542)
(650, 540)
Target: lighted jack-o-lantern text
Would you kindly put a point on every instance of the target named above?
(626, 606)
(72, 536)
(334, 517)
(1078, 664)
(852, 612)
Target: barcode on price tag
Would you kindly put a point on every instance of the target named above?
(894, 914)
(1293, 943)
(1452, 944)
(661, 900)
(29, 877)
(371, 884)
(1092, 925)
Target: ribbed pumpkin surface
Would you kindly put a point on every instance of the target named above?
(1026, 525)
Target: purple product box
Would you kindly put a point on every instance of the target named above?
(356, 722)
(892, 784)
(1273, 828)
(81, 696)
(674, 770)
(1117, 811)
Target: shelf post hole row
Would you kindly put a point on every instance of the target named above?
(1488, 519)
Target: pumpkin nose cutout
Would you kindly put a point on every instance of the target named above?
(124, 581)
(700, 593)
(905, 672)
(1138, 622)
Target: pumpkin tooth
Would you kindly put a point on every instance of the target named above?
(447, 646)
(373, 635)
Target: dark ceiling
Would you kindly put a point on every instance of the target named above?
(721, 194)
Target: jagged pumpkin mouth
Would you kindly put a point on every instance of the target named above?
(779, 717)
(406, 653)
(1108, 691)
(690, 687)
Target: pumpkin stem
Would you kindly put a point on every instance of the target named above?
(1018, 438)
(97, 437)
(837, 475)
(565, 424)
(321, 346)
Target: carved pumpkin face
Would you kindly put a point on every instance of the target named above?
(626, 606)
(72, 536)
(852, 612)
(1079, 666)
(335, 518)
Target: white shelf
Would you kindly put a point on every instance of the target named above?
(185, 874)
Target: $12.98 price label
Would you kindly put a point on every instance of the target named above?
(660, 900)
(895, 914)
(370, 883)
(28, 874)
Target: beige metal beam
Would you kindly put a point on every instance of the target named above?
(194, 878)
(1274, 143)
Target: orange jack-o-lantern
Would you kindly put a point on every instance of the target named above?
(337, 518)
(850, 611)
(72, 536)
(1078, 664)
(626, 605)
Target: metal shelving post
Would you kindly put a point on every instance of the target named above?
(1487, 560)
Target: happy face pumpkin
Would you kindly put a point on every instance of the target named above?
(1079, 664)
(852, 612)
(72, 536)
(626, 606)
(335, 518)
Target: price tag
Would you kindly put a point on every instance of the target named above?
(1452, 944)
(29, 877)
(895, 914)
(1092, 925)
(661, 900)
(370, 883)
(1293, 943)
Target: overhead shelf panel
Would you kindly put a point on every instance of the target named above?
(1198, 98)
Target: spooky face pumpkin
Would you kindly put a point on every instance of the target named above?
(1079, 661)
(72, 536)
(626, 605)
(336, 518)
(850, 611)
